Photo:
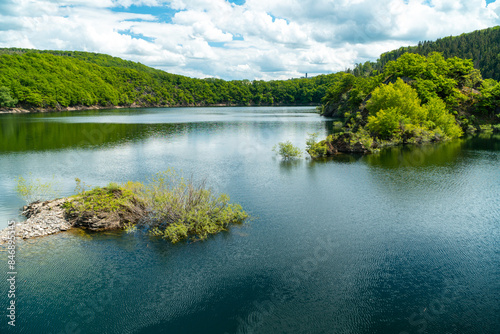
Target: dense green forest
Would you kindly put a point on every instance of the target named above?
(58, 79)
(482, 46)
(414, 99)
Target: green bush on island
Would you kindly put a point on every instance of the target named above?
(180, 209)
(100, 199)
(287, 151)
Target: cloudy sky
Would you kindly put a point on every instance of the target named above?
(238, 39)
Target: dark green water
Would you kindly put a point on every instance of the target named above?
(405, 241)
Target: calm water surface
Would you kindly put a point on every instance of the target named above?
(405, 241)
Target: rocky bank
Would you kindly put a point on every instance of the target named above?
(50, 217)
(43, 218)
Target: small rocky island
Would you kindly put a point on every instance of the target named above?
(168, 207)
(50, 217)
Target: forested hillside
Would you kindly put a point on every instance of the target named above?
(58, 79)
(482, 46)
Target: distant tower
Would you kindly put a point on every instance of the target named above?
(306, 75)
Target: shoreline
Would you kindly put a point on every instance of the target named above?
(27, 110)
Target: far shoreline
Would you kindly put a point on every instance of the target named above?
(28, 110)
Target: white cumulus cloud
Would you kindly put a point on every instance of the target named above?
(260, 39)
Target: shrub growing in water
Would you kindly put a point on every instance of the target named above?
(33, 190)
(287, 151)
(180, 209)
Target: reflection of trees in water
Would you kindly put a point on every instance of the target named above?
(484, 141)
(18, 135)
(340, 158)
(290, 164)
(437, 169)
(37, 132)
(442, 154)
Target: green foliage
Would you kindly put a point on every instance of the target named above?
(33, 190)
(433, 76)
(175, 208)
(6, 99)
(311, 140)
(386, 123)
(287, 151)
(490, 98)
(415, 99)
(480, 46)
(100, 200)
(112, 186)
(81, 187)
(395, 110)
(319, 149)
(180, 209)
(130, 228)
(438, 117)
(347, 93)
(486, 128)
(393, 107)
(55, 79)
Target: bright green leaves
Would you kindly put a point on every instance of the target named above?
(32, 190)
(6, 100)
(392, 107)
(179, 209)
(438, 117)
(490, 100)
(433, 76)
(61, 79)
(287, 151)
(386, 123)
(396, 109)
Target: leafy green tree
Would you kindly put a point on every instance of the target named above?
(6, 99)
(438, 118)
(392, 107)
(396, 109)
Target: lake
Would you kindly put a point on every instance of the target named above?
(403, 241)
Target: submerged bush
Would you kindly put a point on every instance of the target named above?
(287, 151)
(33, 190)
(311, 140)
(180, 209)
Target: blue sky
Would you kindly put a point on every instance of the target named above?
(238, 39)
